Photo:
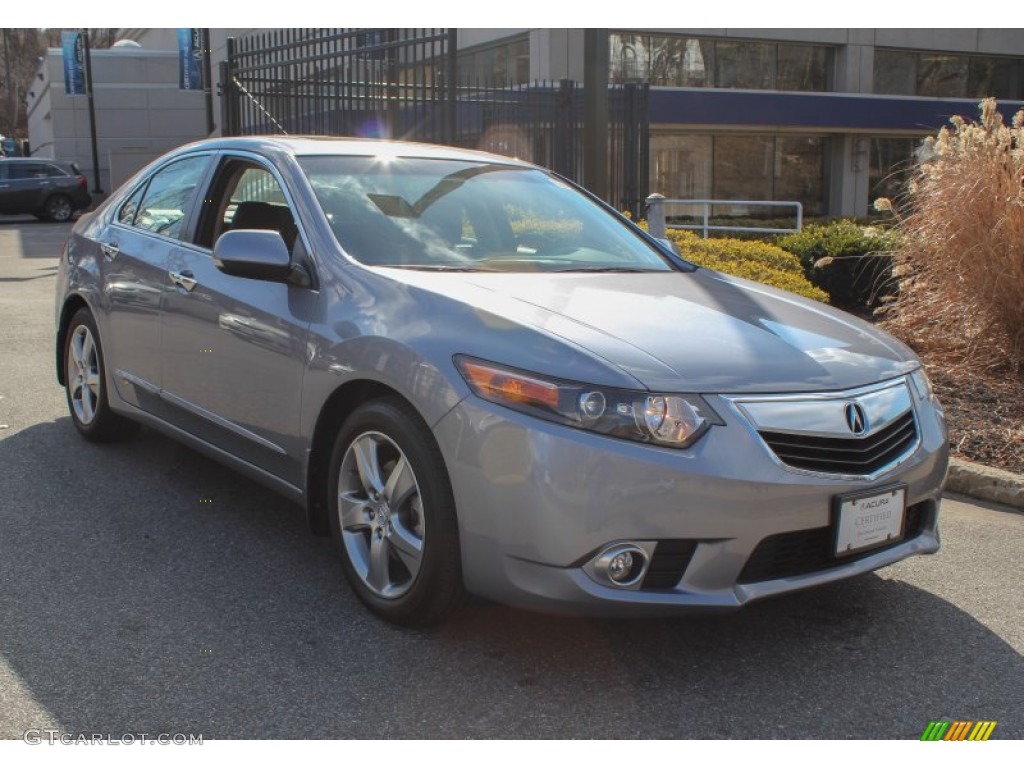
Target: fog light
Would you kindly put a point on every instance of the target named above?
(621, 567)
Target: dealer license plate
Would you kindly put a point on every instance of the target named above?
(868, 520)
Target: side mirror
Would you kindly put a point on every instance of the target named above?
(254, 253)
(668, 245)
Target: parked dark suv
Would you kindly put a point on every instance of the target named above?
(47, 189)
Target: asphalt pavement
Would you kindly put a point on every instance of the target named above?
(146, 589)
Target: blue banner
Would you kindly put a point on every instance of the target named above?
(73, 44)
(190, 59)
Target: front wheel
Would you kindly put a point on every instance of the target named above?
(393, 515)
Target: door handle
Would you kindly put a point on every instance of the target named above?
(183, 279)
(110, 250)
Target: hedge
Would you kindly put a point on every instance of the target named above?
(851, 262)
(750, 259)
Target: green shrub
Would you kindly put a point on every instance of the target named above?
(751, 259)
(851, 262)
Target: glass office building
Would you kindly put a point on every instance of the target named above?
(828, 117)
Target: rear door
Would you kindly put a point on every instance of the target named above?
(30, 184)
(137, 245)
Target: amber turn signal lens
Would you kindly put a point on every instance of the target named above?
(502, 385)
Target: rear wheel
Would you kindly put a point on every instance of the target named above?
(85, 385)
(393, 515)
(58, 208)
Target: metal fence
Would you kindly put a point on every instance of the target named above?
(658, 217)
(402, 83)
(383, 82)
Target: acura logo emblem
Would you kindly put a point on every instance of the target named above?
(856, 419)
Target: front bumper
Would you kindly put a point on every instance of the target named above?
(537, 500)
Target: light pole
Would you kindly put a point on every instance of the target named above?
(97, 189)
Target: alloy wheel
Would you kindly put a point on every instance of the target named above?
(381, 517)
(83, 375)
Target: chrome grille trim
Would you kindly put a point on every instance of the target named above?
(809, 433)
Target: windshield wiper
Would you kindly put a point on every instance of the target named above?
(607, 269)
(436, 267)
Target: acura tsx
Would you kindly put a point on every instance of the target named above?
(477, 378)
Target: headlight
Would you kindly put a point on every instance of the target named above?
(922, 384)
(672, 420)
(926, 392)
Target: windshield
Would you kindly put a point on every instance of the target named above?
(417, 213)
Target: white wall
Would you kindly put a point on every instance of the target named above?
(139, 110)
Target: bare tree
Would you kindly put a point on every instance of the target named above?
(21, 50)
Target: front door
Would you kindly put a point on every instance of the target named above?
(234, 348)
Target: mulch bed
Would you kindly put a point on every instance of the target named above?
(985, 412)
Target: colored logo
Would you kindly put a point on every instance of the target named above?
(959, 730)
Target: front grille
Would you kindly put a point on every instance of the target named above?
(801, 552)
(671, 556)
(846, 455)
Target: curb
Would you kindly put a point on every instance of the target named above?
(986, 483)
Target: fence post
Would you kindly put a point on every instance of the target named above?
(595, 112)
(451, 76)
(656, 215)
(228, 92)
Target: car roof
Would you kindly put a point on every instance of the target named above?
(33, 160)
(341, 146)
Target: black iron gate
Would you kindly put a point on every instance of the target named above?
(384, 82)
(403, 83)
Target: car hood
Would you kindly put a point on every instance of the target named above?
(696, 331)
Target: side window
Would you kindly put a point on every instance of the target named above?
(21, 171)
(33, 171)
(127, 213)
(170, 193)
(246, 196)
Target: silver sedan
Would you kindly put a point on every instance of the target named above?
(477, 378)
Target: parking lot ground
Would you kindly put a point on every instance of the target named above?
(144, 588)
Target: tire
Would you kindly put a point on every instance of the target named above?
(86, 385)
(393, 517)
(58, 208)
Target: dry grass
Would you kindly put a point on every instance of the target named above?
(961, 262)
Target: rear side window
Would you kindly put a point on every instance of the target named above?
(169, 197)
(127, 213)
(33, 171)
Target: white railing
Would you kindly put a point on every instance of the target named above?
(656, 218)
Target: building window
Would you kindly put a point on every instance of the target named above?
(741, 167)
(691, 62)
(804, 68)
(892, 160)
(945, 75)
(745, 65)
(495, 66)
